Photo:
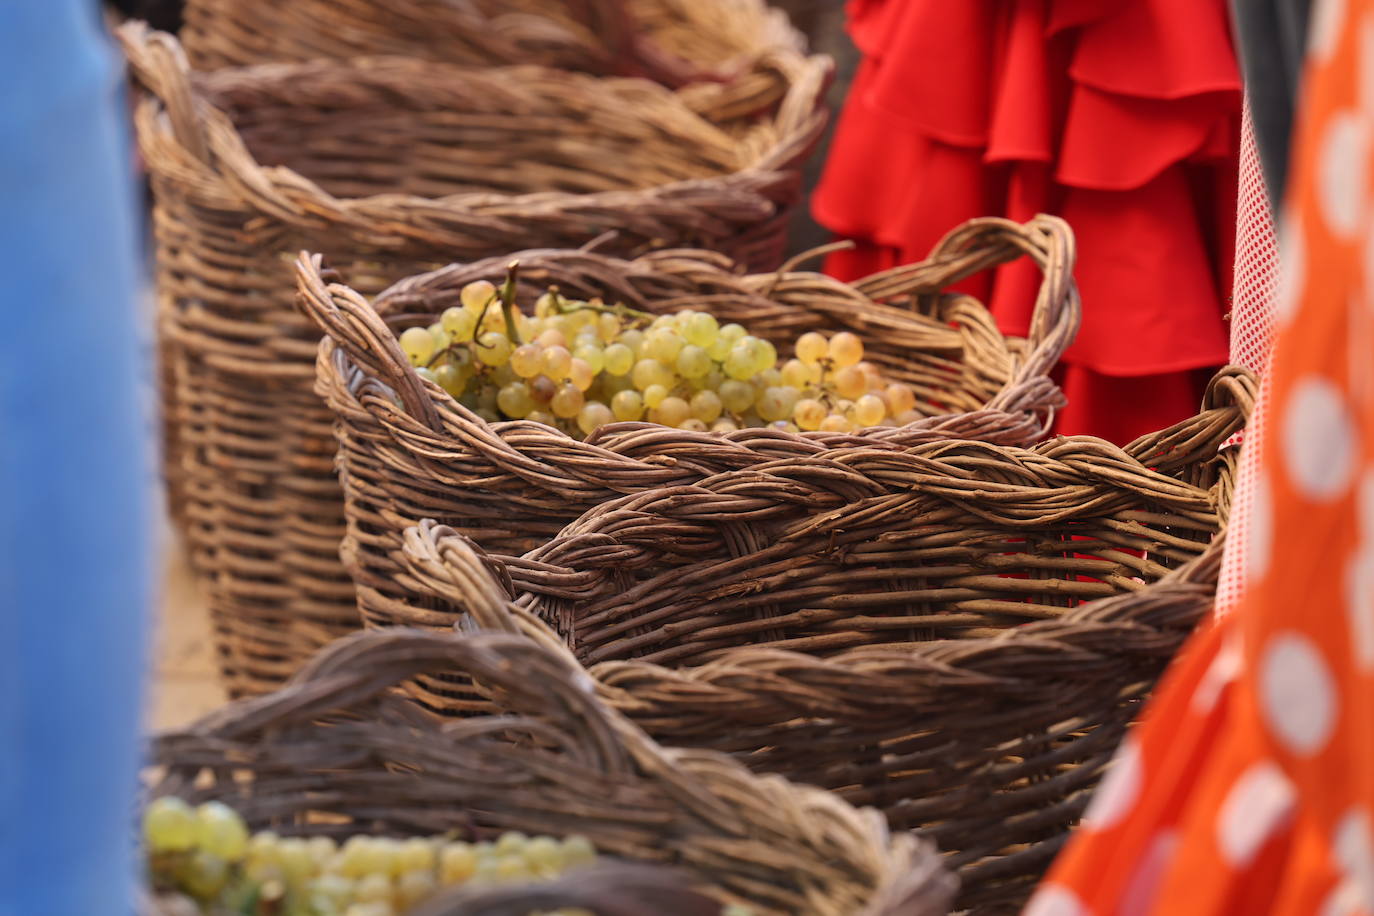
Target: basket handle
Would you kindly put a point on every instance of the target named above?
(987, 242)
(157, 61)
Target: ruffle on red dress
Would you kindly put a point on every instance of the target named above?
(1123, 118)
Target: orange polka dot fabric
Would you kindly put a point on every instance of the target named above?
(1249, 786)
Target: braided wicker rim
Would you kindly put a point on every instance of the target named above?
(1054, 696)
(336, 752)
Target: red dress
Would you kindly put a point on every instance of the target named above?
(1121, 117)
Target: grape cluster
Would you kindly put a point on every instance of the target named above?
(208, 854)
(578, 365)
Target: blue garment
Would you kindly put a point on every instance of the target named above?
(75, 467)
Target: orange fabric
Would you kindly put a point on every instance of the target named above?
(1121, 117)
(1249, 786)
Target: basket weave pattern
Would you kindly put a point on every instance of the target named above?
(392, 167)
(336, 752)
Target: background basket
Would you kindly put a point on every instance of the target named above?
(513, 485)
(392, 167)
(335, 752)
(911, 629)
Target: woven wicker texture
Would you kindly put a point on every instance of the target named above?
(912, 629)
(336, 752)
(514, 485)
(391, 167)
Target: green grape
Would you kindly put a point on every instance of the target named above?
(732, 332)
(427, 374)
(441, 338)
(811, 348)
(618, 359)
(542, 416)
(739, 364)
(777, 403)
(737, 396)
(418, 345)
(672, 411)
(706, 406)
(169, 825)
(798, 374)
(634, 339)
(628, 405)
(542, 389)
(514, 400)
(457, 861)
(373, 887)
(900, 398)
(450, 379)
(849, 382)
(693, 424)
(693, 362)
(567, 401)
(416, 854)
(477, 294)
(700, 329)
(845, 349)
(544, 305)
(526, 360)
(869, 410)
(493, 348)
(766, 354)
(360, 856)
(724, 425)
(556, 362)
(768, 378)
(652, 372)
(295, 860)
(608, 327)
(459, 324)
(551, 337)
(337, 889)
(322, 849)
(204, 875)
(414, 886)
(580, 374)
(373, 908)
(544, 855)
(654, 395)
(578, 851)
(264, 846)
(719, 348)
(594, 357)
(809, 413)
(221, 832)
(592, 415)
(663, 344)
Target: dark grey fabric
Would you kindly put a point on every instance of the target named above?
(1271, 36)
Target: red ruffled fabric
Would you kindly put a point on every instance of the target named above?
(1123, 118)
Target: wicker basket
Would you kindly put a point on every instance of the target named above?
(401, 150)
(512, 486)
(958, 634)
(335, 752)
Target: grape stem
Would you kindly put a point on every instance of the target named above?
(620, 309)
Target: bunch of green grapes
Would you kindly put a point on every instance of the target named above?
(207, 854)
(578, 365)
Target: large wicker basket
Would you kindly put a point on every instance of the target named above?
(335, 752)
(958, 634)
(391, 167)
(513, 485)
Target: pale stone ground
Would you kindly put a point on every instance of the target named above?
(184, 685)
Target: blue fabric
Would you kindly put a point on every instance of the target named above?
(75, 467)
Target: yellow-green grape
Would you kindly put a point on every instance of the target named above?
(845, 349)
(373, 887)
(414, 886)
(543, 416)
(427, 374)
(766, 354)
(556, 362)
(869, 410)
(651, 372)
(777, 403)
(811, 348)
(700, 329)
(706, 406)
(512, 841)
(551, 337)
(578, 851)
(371, 908)
(567, 401)
(525, 326)
(594, 357)
(486, 400)
(871, 374)
(337, 889)
(618, 359)
(204, 875)
(693, 424)
(493, 348)
(732, 332)
(264, 872)
(544, 305)
(360, 856)
(263, 846)
(607, 326)
(719, 348)
(295, 860)
(514, 400)
(654, 396)
(418, 345)
(768, 378)
(169, 825)
(457, 862)
(486, 871)
(835, 423)
(580, 374)
(477, 294)
(542, 389)
(809, 413)
(693, 362)
(322, 849)
(450, 379)
(592, 415)
(629, 405)
(672, 411)
(416, 854)
(221, 832)
(544, 855)
(739, 363)
(736, 396)
(511, 868)
(663, 344)
(724, 425)
(798, 374)
(907, 417)
(634, 339)
(850, 382)
(526, 360)
(441, 338)
(900, 398)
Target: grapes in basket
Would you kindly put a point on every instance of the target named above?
(207, 854)
(577, 365)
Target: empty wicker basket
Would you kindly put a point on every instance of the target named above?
(513, 485)
(392, 167)
(335, 753)
(958, 634)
